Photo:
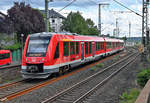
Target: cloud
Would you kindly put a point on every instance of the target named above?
(89, 9)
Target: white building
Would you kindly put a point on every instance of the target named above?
(2, 16)
(55, 20)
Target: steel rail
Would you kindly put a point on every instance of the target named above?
(104, 81)
(10, 66)
(32, 88)
(53, 98)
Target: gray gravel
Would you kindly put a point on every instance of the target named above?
(112, 90)
(8, 75)
(41, 94)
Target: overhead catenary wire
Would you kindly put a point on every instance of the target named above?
(67, 5)
(93, 2)
(127, 7)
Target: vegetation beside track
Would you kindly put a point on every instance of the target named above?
(130, 96)
(143, 77)
(100, 65)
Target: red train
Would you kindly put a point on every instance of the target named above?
(5, 57)
(47, 53)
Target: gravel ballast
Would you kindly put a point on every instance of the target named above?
(41, 94)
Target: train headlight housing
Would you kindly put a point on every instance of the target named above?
(42, 60)
(27, 60)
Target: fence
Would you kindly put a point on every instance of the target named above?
(16, 56)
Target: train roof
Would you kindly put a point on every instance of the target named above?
(66, 36)
(113, 40)
(40, 34)
(4, 51)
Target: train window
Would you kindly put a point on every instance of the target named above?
(96, 46)
(113, 45)
(56, 51)
(66, 48)
(4, 56)
(90, 46)
(72, 48)
(86, 47)
(101, 46)
(108, 45)
(77, 47)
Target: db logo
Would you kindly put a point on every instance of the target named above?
(33, 60)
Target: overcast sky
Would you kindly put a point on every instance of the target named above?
(89, 9)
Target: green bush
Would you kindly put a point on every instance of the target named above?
(117, 57)
(100, 65)
(130, 97)
(93, 68)
(143, 77)
(148, 59)
(12, 47)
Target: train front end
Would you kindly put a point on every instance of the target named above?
(36, 56)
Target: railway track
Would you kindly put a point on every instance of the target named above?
(15, 89)
(10, 66)
(80, 91)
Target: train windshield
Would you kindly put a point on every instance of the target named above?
(37, 46)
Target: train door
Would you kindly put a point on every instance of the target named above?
(93, 47)
(82, 50)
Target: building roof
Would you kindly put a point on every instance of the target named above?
(2, 15)
(53, 14)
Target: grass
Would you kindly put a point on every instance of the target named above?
(94, 68)
(143, 76)
(100, 65)
(130, 96)
(117, 57)
(148, 60)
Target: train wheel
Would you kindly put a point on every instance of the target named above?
(60, 71)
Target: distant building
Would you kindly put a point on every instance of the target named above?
(2, 17)
(55, 20)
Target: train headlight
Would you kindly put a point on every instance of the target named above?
(27, 60)
(42, 60)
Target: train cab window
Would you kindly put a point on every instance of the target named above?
(86, 47)
(56, 52)
(4, 56)
(90, 46)
(66, 49)
(77, 47)
(72, 48)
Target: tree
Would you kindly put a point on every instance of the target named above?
(5, 24)
(90, 23)
(92, 30)
(25, 19)
(75, 23)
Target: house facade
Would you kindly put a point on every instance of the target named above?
(55, 20)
